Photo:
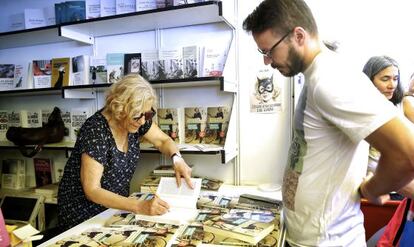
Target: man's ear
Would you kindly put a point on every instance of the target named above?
(299, 35)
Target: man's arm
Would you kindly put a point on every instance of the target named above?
(395, 141)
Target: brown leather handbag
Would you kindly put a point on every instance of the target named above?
(52, 132)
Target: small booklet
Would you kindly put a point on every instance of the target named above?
(182, 201)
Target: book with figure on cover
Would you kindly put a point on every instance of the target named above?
(132, 63)
(80, 70)
(150, 65)
(7, 76)
(60, 72)
(114, 66)
(195, 124)
(97, 70)
(191, 61)
(217, 124)
(42, 73)
(43, 169)
(168, 122)
(171, 63)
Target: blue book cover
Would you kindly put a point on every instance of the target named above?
(115, 66)
(75, 11)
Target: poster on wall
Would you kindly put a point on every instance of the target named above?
(266, 93)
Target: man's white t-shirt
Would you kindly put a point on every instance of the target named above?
(337, 109)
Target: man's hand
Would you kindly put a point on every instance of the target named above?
(182, 170)
(364, 191)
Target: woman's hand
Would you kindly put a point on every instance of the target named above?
(155, 206)
(364, 192)
(182, 170)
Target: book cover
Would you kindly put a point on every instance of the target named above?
(78, 117)
(34, 18)
(195, 124)
(97, 70)
(80, 70)
(20, 73)
(183, 2)
(114, 66)
(191, 61)
(168, 122)
(13, 174)
(214, 59)
(150, 65)
(16, 22)
(247, 225)
(92, 9)
(142, 5)
(31, 118)
(45, 115)
(218, 118)
(59, 18)
(75, 11)
(211, 184)
(171, 63)
(60, 72)
(125, 6)
(42, 73)
(108, 8)
(14, 119)
(6, 76)
(150, 184)
(132, 63)
(67, 120)
(49, 13)
(4, 124)
(43, 171)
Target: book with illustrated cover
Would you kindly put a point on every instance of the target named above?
(125, 6)
(171, 63)
(218, 118)
(13, 174)
(80, 70)
(14, 119)
(31, 118)
(78, 117)
(142, 5)
(195, 124)
(92, 9)
(42, 73)
(43, 169)
(191, 61)
(168, 122)
(150, 184)
(60, 72)
(97, 70)
(20, 76)
(213, 61)
(4, 124)
(132, 63)
(114, 66)
(211, 184)
(150, 65)
(6, 76)
(74, 11)
(243, 224)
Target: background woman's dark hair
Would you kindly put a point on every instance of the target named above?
(281, 16)
(378, 63)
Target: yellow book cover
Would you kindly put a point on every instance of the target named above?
(60, 72)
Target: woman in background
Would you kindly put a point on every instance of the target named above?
(98, 173)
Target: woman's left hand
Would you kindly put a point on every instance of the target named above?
(182, 170)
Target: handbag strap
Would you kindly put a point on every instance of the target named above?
(29, 154)
(404, 219)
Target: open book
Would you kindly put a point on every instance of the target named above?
(182, 201)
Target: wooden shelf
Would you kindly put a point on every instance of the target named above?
(85, 31)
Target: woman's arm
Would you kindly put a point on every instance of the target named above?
(91, 174)
(168, 147)
(408, 105)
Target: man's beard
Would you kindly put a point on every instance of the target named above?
(295, 65)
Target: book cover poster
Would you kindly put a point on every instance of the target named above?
(60, 72)
(195, 124)
(115, 66)
(132, 63)
(97, 70)
(6, 76)
(42, 72)
(43, 171)
(168, 122)
(217, 124)
(266, 93)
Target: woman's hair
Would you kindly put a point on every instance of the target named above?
(127, 97)
(378, 63)
(281, 16)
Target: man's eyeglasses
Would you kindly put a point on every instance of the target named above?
(148, 115)
(268, 53)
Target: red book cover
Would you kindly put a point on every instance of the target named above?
(43, 171)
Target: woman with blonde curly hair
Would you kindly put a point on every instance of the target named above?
(107, 151)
